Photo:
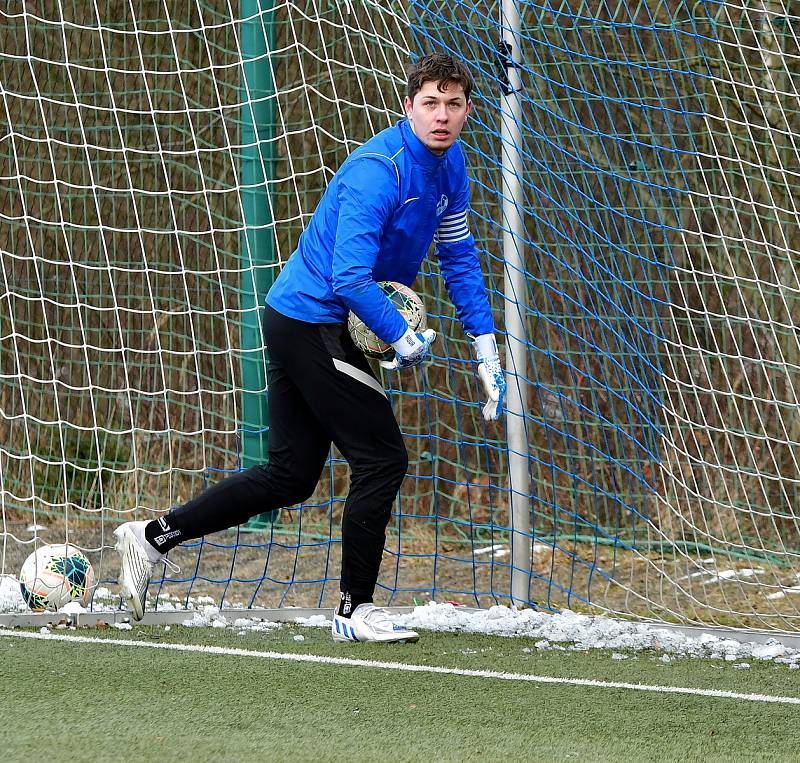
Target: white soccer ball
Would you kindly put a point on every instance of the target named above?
(55, 575)
(410, 307)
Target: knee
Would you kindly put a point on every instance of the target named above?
(300, 486)
(396, 463)
(400, 464)
(388, 468)
(288, 487)
(300, 493)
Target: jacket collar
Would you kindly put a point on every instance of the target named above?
(421, 154)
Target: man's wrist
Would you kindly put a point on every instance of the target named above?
(407, 344)
(485, 347)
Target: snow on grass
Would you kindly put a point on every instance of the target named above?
(590, 632)
(562, 631)
(556, 632)
(10, 596)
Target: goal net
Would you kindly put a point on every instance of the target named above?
(157, 163)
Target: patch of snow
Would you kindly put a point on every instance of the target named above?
(10, 596)
(589, 632)
(73, 608)
(315, 621)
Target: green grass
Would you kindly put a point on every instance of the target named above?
(108, 702)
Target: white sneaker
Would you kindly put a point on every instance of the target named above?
(370, 623)
(138, 559)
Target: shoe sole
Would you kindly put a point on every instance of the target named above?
(124, 540)
(389, 639)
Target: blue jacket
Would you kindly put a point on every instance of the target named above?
(388, 201)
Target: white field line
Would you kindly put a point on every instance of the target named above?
(409, 668)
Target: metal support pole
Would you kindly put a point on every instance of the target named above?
(515, 305)
(256, 242)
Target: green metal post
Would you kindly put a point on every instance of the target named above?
(257, 244)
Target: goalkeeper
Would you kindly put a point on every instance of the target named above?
(392, 197)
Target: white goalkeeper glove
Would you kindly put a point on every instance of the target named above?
(411, 349)
(491, 375)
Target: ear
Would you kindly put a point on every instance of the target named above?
(407, 105)
(469, 108)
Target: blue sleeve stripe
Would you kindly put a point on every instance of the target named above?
(452, 228)
(451, 225)
(453, 238)
(454, 218)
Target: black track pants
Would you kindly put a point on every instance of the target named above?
(321, 390)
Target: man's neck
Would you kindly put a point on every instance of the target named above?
(435, 153)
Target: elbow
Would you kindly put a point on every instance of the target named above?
(347, 288)
(342, 289)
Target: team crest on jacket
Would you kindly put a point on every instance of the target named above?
(441, 206)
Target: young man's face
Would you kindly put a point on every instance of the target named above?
(438, 116)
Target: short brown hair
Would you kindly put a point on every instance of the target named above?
(441, 68)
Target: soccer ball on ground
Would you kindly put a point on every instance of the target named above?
(55, 575)
(410, 307)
